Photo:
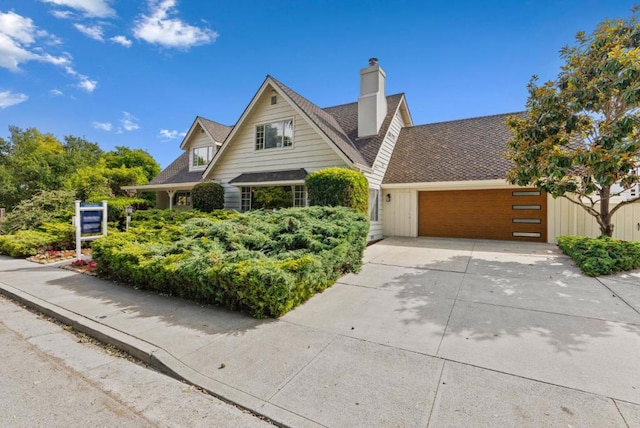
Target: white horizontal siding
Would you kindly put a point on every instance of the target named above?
(309, 150)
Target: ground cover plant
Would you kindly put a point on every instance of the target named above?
(601, 256)
(42, 223)
(261, 262)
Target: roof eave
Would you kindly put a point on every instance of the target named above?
(451, 185)
(165, 186)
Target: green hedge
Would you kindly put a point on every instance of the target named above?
(601, 256)
(338, 187)
(208, 196)
(25, 243)
(49, 236)
(261, 262)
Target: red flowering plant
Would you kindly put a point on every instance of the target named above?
(85, 265)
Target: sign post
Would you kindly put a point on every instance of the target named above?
(90, 219)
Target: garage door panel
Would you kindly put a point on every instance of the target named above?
(506, 214)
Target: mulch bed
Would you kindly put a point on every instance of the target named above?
(53, 256)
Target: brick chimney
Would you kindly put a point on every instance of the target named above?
(372, 103)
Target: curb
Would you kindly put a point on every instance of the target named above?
(155, 357)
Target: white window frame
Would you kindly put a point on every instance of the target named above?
(374, 204)
(192, 161)
(246, 194)
(299, 195)
(259, 137)
(186, 194)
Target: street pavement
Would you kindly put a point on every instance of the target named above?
(50, 377)
(431, 332)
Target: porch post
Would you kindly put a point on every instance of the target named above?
(171, 193)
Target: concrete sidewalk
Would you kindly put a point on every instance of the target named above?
(431, 332)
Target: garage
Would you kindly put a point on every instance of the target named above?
(507, 214)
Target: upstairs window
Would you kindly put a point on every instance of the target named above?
(274, 135)
(201, 156)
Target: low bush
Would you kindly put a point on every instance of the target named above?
(272, 197)
(25, 243)
(335, 187)
(601, 256)
(208, 196)
(261, 262)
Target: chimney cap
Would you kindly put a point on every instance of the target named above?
(373, 61)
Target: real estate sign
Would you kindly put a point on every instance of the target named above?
(90, 222)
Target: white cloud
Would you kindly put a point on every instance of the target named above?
(121, 40)
(129, 122)
(56, 93)
(94, 31)
(83, 81)
(87, 84)
(17, 35)
(8, 99)
(91, 8)
(105, 126)
(161, 27)
(165, 134)
(62, 14)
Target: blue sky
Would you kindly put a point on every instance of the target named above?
(136, 73)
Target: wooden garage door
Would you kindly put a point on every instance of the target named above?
(510, 214)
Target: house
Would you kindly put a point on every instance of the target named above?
(441, 179)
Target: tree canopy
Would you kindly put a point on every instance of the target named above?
(580, 138)
(132, 158)
(32, 161)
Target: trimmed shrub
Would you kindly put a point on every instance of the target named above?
(338, 187)
(272, 197)
(601, 256)
(261, 262)
(208, 196)
(25, 243)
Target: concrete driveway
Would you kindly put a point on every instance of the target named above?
(431, 332)
(506, 333)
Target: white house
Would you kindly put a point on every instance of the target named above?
(442, 179)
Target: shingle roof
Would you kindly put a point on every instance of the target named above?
(326, 122)
(178, 172)
(347, 117)
(256, 177)
(217, 130)
(467, 149)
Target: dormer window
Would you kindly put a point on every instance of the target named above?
(274, 135)
(200, 156)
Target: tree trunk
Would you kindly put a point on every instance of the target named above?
(606, 228)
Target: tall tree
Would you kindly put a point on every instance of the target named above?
(131, 158)
(31, 161)
(581, 137)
